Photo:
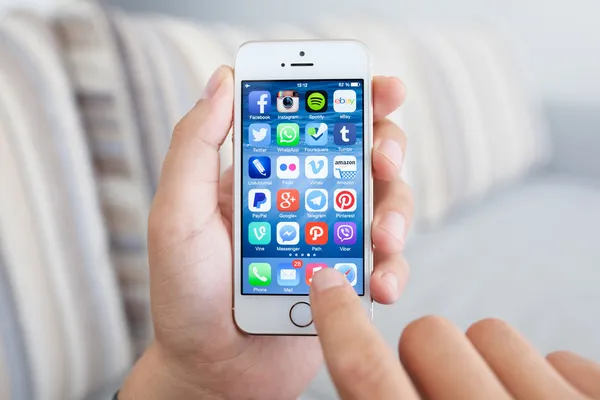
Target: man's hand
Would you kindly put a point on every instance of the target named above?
(198, 352)
(438, 361)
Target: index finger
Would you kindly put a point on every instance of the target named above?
(359, 361)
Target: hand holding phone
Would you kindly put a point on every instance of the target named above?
(197, 347)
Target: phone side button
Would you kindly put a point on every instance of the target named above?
(301, 315)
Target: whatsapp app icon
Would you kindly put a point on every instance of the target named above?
(288, 134)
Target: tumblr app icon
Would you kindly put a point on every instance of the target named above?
(259, 200)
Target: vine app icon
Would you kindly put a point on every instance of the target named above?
(288, 134)
(259, 233)
(316, 101)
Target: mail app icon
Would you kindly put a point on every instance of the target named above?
(288, 275)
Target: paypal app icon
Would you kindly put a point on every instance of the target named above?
(259, 102)
(259, 134)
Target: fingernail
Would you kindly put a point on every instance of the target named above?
(327, 279)
(391, 279)
(394, 224)
(213, 84)
(392, 150)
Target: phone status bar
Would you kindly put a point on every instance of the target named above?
(306, 84)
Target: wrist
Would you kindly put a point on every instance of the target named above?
(154, 378)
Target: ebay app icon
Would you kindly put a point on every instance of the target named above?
(344, 101)
(344, 233)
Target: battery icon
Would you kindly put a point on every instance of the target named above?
(354, 84)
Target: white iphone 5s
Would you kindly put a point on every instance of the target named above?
(303, 186)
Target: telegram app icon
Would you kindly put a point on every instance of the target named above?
(316, 200)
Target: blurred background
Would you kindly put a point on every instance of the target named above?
(503, 121)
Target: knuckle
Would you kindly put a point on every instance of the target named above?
(559, 356)
(408, 192)
(339, 304)
(420, 331)
(400, 199)
(406, 195)
(393, 130)
(362, 367)
(180, 129)
(190, 123)
(488, 327)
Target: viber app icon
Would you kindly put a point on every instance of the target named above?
(259, 102)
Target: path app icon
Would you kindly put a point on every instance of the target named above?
(316, 233)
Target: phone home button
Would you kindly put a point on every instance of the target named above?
(300, 314)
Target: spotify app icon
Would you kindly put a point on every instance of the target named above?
(316, 101)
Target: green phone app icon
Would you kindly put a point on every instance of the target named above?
(259, 233)
(259, 274)
(288, 134)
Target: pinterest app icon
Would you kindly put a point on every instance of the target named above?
(344, 200)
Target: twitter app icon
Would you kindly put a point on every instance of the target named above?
(259, 134)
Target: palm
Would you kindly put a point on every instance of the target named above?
(190, 255)
(196, 322)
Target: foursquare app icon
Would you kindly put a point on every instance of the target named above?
(316, 101)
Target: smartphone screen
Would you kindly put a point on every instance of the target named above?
(302, 184)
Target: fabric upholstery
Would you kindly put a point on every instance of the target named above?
(56, 249)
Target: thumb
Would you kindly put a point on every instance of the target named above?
(187, 193)
(359, 361)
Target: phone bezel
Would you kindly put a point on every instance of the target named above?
(331, 59)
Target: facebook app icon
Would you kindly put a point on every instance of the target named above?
(259, 102)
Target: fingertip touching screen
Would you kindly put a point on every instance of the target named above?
(302, 184)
